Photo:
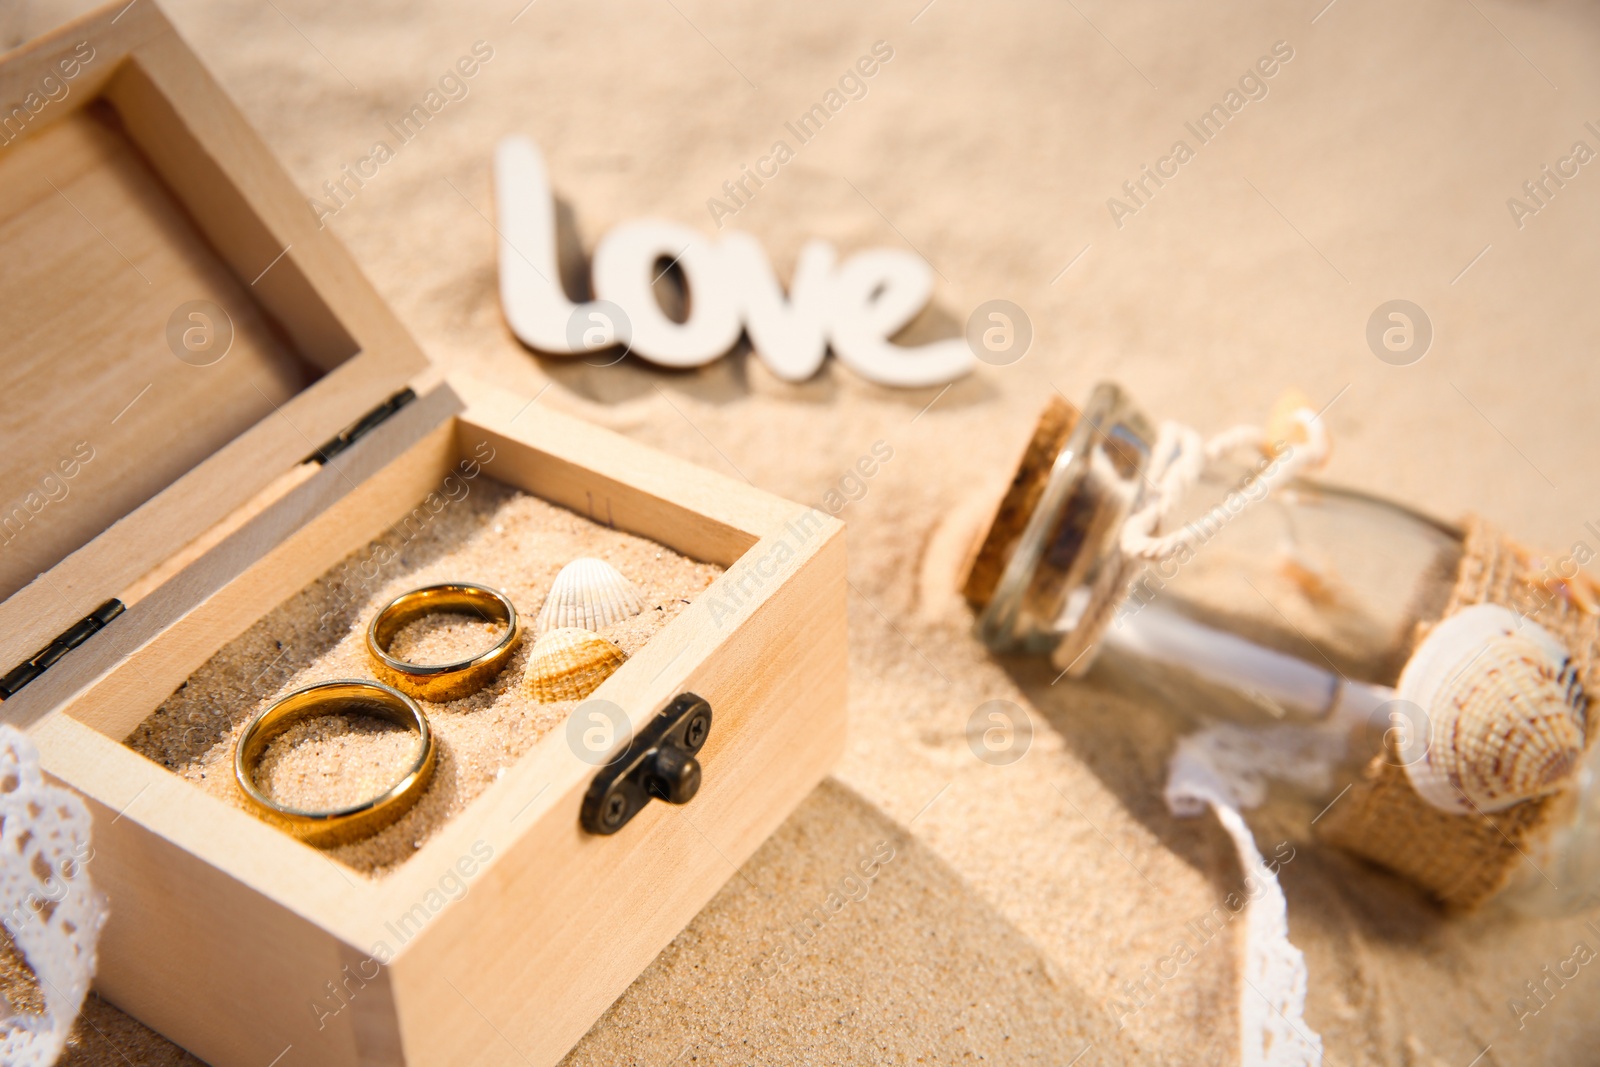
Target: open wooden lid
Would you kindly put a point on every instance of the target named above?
(178, 331)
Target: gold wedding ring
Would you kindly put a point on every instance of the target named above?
(444, 681)
(336, 826)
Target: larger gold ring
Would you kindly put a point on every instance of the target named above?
(336, 826)
(443, 681)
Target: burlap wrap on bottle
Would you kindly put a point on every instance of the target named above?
(1463, 860)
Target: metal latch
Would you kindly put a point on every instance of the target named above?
(361, 427)
(659, 762)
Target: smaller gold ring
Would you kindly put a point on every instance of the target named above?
(444, 681)
(336, 826)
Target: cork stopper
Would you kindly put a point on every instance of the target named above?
(990, 552)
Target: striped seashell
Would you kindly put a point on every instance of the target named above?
(569, 663)
(1506, 712)
(588, 593)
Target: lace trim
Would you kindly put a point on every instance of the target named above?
(1225, 768)
(46, 900)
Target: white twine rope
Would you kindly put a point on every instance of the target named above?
(1179, 458)
(1176, 463)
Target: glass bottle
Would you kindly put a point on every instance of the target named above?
(1302, 604)
(1286, 605)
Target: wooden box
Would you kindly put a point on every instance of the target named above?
(199, 493)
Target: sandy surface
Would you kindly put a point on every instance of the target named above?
(1022, 898)
(495, 536)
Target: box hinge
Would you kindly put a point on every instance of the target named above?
(361, 427)
(70, 638)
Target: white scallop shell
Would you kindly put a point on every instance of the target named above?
(590, 594)
(1506, 713)
(569, 663)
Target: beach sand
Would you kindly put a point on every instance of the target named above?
(1022, 900)
(493, 535)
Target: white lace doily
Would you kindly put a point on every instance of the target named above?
(1226, 767)
(46, 900)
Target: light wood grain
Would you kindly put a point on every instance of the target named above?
(593, 912)
(556, 917)
(85, 314)
(609, 479)
(192, 948)
(171, 182)
(224, 932)
(169, 633)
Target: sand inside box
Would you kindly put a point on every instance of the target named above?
(495, 536)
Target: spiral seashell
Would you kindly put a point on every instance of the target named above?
(588, 593)
(569, 663)
(1506, 713)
